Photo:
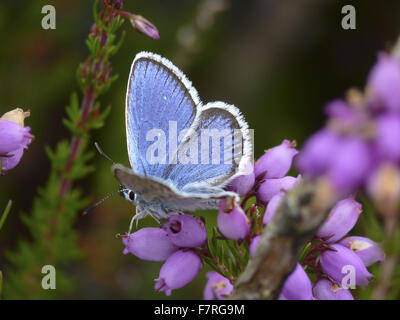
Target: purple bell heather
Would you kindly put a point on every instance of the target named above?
(144, 26)
(340, 221)
(276, 162)
(253, 245)
(186, 231)
(351, 164)
(384, 83)
(368, 250)
(298, 285)
(179, 269)
(151, 244)
(272, 187)
(272, 206)
(335, 262)
(217, 287)
(387, 136)
(342, 115)
(325, 289)
(232, 221)
(14, 138)
(317, 153)
(244, 182)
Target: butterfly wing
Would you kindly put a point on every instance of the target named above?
(158, 93)
(223, 142)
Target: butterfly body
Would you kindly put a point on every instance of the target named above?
(182, 173)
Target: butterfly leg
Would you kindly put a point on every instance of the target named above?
(139, 215)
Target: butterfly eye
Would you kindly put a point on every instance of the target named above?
(131, 195)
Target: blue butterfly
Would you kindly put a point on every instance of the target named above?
(160, 99)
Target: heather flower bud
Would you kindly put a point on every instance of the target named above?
(217, 287)
(232, 221)
(253, 245)
(271, 187)
(342, 262)
(350, 164)
(179, 269)
(341, 115)
(340, 221)
(144, 26)
(384, 82)
(244, 182)
(272, 206)
(317, 153)
(14, 138)
(325, 289)
(368, 250)
(276, 162)
(387, 137)
(151, 244)
(186, 231)
(298, 285)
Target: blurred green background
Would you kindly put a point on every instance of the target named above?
(278, 61)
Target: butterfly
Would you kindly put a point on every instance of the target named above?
(168, 130)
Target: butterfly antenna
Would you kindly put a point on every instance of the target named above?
(102, 153)
(99, 202)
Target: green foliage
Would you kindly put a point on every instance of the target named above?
(56, 206)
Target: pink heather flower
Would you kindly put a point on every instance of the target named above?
(342, 114)
(14, 138)
(384, 82)
(317, 154)
(350, 165)
(276, 162)
(340, 221)
(232, 221)
(186, 231)
(335, 262)
(151, 244)
(298, 285)
(243, 183)
(272, 206)
(217, 287)
(253, 245)
(325, 289)
(368, 250)
(387, 136)
(144, 26)
(179, 269)
(272, 187)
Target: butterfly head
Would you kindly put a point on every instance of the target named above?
(127, 194)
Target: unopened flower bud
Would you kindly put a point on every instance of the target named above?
(337, 261)
(368, 250)
(144, 26)
(151, 244)
(297, 285)
(179, 269)
(272, 206)
(186, 231)
(244, 182)
(325, 289)
(218, 287)
(276, 162)
(232, 221)
(271, 187)
(340, 221)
